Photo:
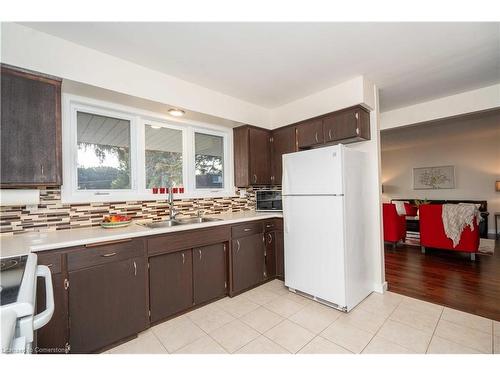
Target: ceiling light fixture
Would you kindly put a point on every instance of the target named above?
(155, 126)
(176, 112)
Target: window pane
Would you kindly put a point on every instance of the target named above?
(103, 152)
(209, 161)
(163, 157)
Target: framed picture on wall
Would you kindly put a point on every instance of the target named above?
(442, 177)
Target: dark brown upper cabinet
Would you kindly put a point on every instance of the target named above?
(30, 128)
(347, 126)
(283, 142)
(252, 156)
(310, 133)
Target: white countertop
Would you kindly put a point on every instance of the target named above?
(20, 244)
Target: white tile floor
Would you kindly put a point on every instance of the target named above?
(269, 319)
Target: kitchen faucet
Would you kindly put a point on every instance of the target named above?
(170, 201)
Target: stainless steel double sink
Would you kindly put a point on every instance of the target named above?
(175, 222)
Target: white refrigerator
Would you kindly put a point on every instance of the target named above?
(326, 257)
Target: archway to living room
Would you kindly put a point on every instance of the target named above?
(425, 168)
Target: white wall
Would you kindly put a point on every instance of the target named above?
(31, 49)
(470, 143)
(373, 232)
(454, 105)
(346, 94)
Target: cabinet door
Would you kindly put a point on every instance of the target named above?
(248, 261)
(170, 284)
(260, 157)
(280, 255)
(270, 254)
(350, 124)
(107, 303)
(283, 143)
(209, 272)
(31, 129)
(310, 133)
(52, 337)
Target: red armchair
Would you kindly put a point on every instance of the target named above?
(394, 224)
(432, 232)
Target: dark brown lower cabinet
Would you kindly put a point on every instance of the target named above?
(107, 303)
(209, 272)
(248, 261)
(270, 254)
(170, 284)
(280, 255)
(52, 337)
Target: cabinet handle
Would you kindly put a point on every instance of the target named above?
(135, 268)
(357, 131)
(238, 248)
(316, 137)
(254, 178)
(41, 168)
(108, 255)
(329, 133)
(199, 251)
(183, 258)
(269, 225)
(270, 238)
(356, 115)
(50, 265)
(247, 229)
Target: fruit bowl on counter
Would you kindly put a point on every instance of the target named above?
(115, 221)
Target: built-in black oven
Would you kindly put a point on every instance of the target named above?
(269, 200)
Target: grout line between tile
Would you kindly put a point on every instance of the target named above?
(378, 330)
(157, 338)
(434, 331)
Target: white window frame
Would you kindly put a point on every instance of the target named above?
(141, 176)
(138, 120)
(192, 168)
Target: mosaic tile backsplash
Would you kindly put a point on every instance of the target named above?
(52, 214)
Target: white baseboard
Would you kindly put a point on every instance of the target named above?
(380, 288)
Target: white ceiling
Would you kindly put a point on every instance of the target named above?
(271, 64)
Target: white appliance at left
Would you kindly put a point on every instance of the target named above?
(18, 280)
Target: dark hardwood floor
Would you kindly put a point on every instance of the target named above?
(446, 278)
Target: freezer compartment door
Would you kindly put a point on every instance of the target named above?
(317, 171)
(314, 246)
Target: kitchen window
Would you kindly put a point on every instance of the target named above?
(163, 156)
(209, 161)
(103, 144)
(115, 153)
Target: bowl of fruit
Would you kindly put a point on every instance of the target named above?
(115, 221)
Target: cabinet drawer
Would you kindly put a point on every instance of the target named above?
(105, 252)
(269, 225)
(246, 229)
(51, 260)
(187, 239)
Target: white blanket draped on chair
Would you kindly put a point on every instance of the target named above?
(456, 217)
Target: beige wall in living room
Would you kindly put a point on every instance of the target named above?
(470, 143)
